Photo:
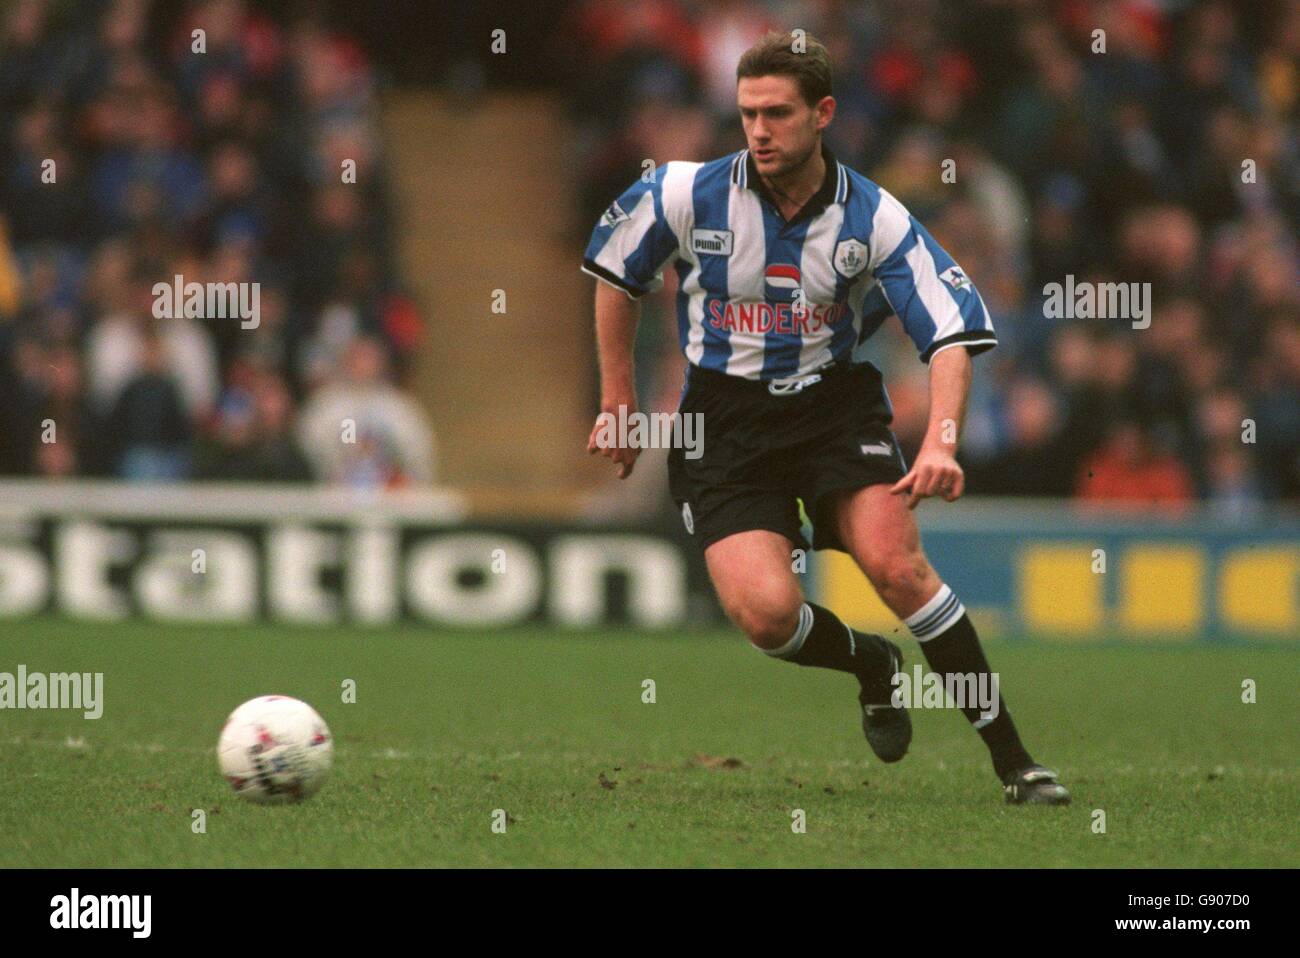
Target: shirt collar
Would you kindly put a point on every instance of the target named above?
(834, 188)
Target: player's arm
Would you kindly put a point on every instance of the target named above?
(942, 312)
(628, 251)
(617, 316)
(935, 471)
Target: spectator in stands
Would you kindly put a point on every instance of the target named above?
(1033, 463)
(362, 431)
(1129, 470)
(1276, 412)
(116, 344)
(65, 432)
(148, 424)
(1232, 488)
(253, 440)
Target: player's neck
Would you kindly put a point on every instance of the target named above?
(796, 187)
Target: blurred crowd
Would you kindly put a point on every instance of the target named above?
(1171, 158)
(141, 142)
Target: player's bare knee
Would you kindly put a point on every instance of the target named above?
(769, 617)
(770, 631)
(902, 578)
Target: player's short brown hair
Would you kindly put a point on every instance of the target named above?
(775, 55)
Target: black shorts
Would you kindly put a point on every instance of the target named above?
(762, 452)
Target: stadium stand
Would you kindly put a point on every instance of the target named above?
(121, 167)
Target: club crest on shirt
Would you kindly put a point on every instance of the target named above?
(850, 257)
(614, 215)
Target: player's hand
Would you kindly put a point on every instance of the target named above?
(604, 438)
(935, 473)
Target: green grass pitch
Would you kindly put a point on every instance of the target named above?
(551, 727)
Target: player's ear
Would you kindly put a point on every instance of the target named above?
(825, 110)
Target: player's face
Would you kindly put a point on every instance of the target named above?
(780, 127)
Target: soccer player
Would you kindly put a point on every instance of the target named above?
(787, 261)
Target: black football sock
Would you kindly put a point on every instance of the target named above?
(950, 645)
(822, 640)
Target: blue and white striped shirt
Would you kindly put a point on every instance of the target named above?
(762, 298)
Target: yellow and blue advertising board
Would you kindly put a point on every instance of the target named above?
(1061, 571)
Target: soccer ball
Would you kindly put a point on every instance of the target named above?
(275, 749)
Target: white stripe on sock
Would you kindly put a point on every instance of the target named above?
(801, 631)
(936, 616)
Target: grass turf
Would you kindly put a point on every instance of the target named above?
(551, 727)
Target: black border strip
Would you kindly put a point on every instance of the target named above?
(977, 340)
(592, 267)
